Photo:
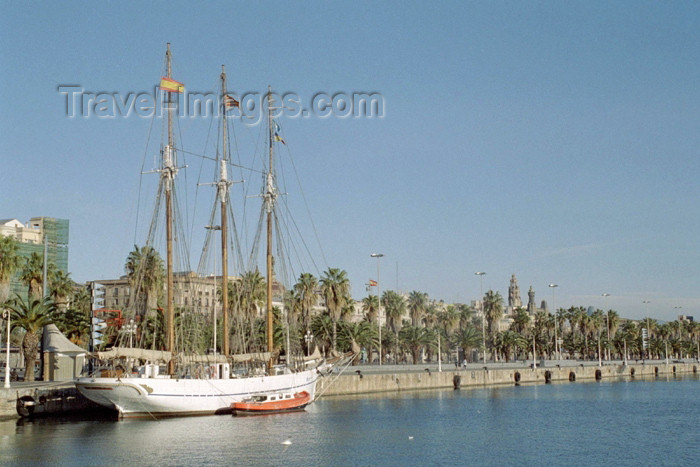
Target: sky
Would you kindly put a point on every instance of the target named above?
(557, 141)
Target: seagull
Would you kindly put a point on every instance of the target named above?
(287, 442)
(410, 437)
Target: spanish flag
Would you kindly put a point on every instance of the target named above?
(170, 85)
(372, 283)
(230, 102)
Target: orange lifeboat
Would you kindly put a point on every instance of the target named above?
(272, 403)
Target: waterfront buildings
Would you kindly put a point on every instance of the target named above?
(41, 235)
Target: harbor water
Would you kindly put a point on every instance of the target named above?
(653, 421)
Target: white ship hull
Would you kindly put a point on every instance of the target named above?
(162, 397)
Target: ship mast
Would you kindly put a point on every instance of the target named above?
(168, 176)
(270, 197)
(222, 187)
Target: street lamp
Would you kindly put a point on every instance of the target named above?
(556, 346)
(379, 300)
(6, 315)
(483, 315)
(309, 338)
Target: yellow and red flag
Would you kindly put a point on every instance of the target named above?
(372, 283)
(170, 85)
(230, 102)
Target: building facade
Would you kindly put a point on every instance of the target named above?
(39, 235)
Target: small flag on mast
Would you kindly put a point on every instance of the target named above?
(279, 139)
(372, 283)
(230, 102)
(170, 85)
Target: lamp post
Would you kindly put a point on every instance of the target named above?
(6, 316)
(646, 308)
(556, 346)
(308, 338)
(379, 304)
(483, 314)
(607, 325)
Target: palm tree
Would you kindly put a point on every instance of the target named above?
(32, 274)
(468, 338)
(75, 325)
(493, 308)
(250, 292)
(466, 315)
(417, 303)
(414, 339)
(322, 329)
(9, 263)
(449, 319)
(510, 342)
(145, 272)
(395, 308)
(357, 335)
(32, 317)
(370, 305)
(306, 290)
(521, 320)
(61, 289)
(335, 288)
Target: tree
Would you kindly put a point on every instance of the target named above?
(493, 308)
(370, 305)
(145, 272)
(466, 315)
(61, 289)
(322, 329)
(9, 262)
(306, 290)
(468, 338)
(31, 316)
(32, 274)
(357, 335)
(395, 308)
(521, 320)
(414, 338)
(417, 303)
(250, 294)
(335, 288)
(75, 325)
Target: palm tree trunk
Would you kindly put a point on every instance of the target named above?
(30, 345)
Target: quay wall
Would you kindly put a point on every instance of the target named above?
(59, 398)
(41, 398)
(351, 382)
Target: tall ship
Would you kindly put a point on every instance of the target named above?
(154, 383)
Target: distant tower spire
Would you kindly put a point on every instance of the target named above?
(514, 300)
(531, 301)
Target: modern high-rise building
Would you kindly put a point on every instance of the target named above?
(39, 235)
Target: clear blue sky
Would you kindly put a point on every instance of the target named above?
(555, 140)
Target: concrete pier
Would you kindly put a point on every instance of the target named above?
(360, 380)
(39, 398)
